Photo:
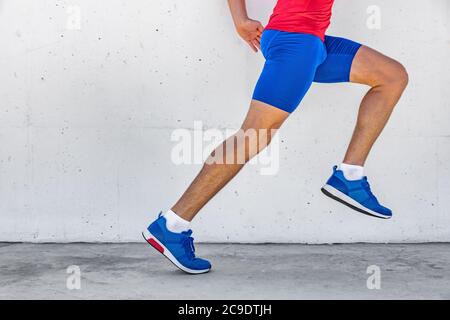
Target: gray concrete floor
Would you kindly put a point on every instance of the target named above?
(135, 271)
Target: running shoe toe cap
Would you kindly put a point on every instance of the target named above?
(385, 211)
(195, 264)
(382, 210)
(200, 264)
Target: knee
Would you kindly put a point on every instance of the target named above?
(395, 76)
(402, 77)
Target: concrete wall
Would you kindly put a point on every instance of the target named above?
(91, 91)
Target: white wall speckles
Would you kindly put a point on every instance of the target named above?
(87, 108)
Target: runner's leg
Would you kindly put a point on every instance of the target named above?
(387, 79)
(261, 119)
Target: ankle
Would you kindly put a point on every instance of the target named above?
(352, 172)
(175, 223)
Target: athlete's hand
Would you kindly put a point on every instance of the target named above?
(251, 31)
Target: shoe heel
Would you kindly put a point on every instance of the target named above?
(152, 241)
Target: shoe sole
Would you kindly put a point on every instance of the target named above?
(337, 195)
(158, 246)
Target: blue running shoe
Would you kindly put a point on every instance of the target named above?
(177, 247)
(355, 194)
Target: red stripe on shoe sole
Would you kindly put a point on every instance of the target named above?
(155, 245)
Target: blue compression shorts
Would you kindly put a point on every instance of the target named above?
(295, 60)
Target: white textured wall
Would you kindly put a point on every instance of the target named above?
(86, 117)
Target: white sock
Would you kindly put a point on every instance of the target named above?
(175, 223)
(351, 172)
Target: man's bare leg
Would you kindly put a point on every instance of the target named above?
(213, 177)
(388, 79)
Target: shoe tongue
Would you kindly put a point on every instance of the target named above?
(187, 233)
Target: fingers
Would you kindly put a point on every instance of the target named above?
(256, 36)
(257, 40)
(259, 32)
(257, 43)
(252, 45)
(253, 37)
(260, 27)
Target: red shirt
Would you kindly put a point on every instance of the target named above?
(302, 16)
